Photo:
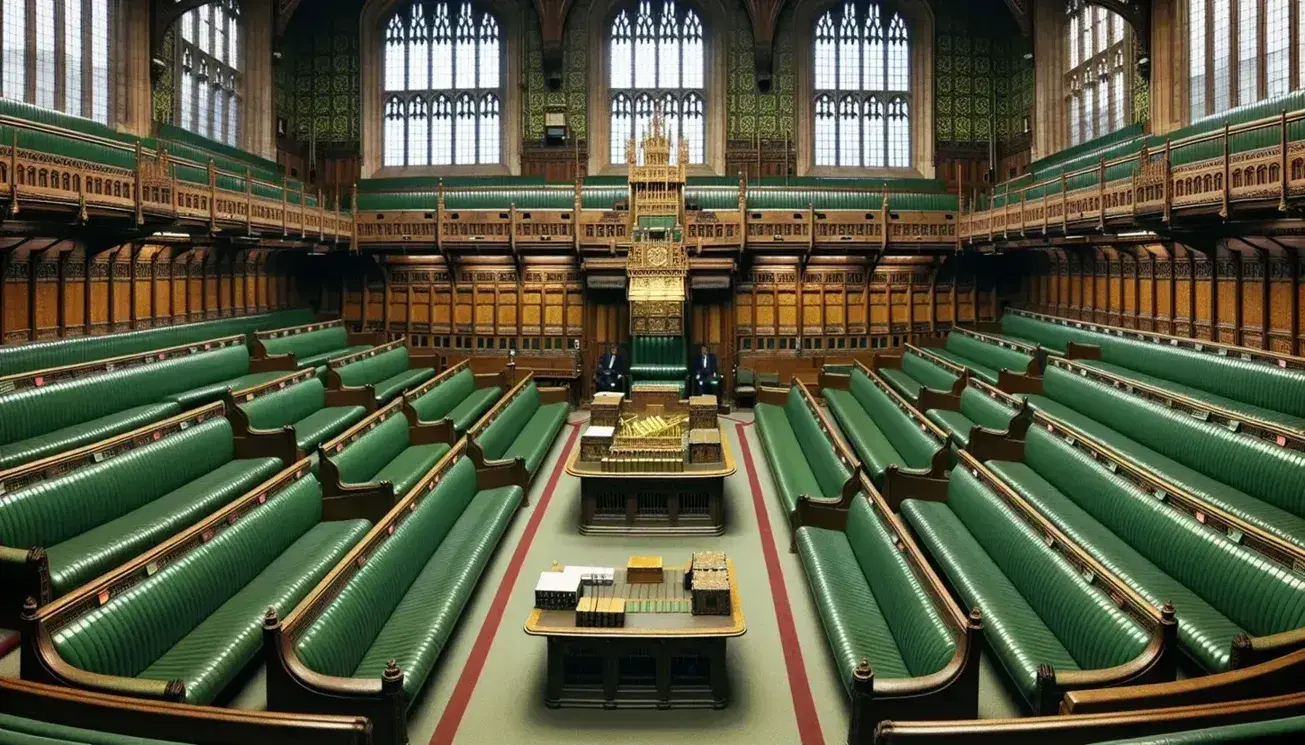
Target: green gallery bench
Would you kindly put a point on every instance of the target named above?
(1054, 618)
(519, 430)
(456, 398)
(659, 360)
(1234, 604)
(383, 371)
(808, 460)
(889, 621)
(384, 453)
(182, 621)
(910, 372)
(38, 355)
(366, 639)
(311, 344)
(48, 411)
(1250, 382)
(897, 446)
(1253, 478)
(288, 418)
(985, 357)
(977, 417)
(65, 522)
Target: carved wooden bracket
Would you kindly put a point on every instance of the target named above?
(765, 16)
(164, 13)
(552, 23)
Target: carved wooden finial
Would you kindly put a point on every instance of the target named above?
(270, 619)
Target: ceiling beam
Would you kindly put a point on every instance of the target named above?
(765, 17)
(552, 23)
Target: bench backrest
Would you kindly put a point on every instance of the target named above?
(495, 439)
(374, 369)
(928, 374)
(310, 343)
(31, 412)
(916, 446)
(991, 355)
(817, 446)
(926, 642)
(1085, 620)
(1257, 594)
(125, 635)
(443, 398)
(1052, 336)
(286, 406)
(360, 460)
(339, 638)
(985, 411)
(52, 511)
(1273, 474)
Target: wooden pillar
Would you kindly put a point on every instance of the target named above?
(407, 289)
(1265, 290)
(1191, 294)
(1214, 294)
(33, 267)
(385, 297)
(5, 258)
(1238, 310)
(203, 285)
(87, 276)
(1110, 302)
(61, 303)
(1293, 303)
(910, 306)
(933, 301)
(111, 317)
(366, 302)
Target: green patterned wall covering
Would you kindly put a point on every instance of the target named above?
(1013, 83)
(976, 43)
(1141, 90)
(318, 78)
(768, 115)
(575, 74)
(162, 91)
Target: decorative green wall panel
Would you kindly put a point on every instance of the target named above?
(976, 48)
(320, 67)
(771, 116)
(573, 95)
(164, 85)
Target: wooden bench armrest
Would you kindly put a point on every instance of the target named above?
(1251, 650)
(270, 443)
(932, 398)
(41, 662)
(1077, 351)
(363, 395)
(770, 395)
(1011, 382)
(885, 361)
(553, 394)
(359, 338)
(273, 363)
(370, 501)
(24, 574)
(429, 433)
(901, 484)
(423, 360)
(986, 445)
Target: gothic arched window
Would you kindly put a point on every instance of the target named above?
(443, 85)
(656, 59)
(1239, 52)
(208, 96)
(862, 90)
(55, 54)
(1098, 98)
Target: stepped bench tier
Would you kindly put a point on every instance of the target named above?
(1050, 628)
(899, 449)
(383, 456)
(183, 620)
(979, 418)
(383, 372)
(366, 639)
(66, 520)
(49, 411)
(910, 372)
(1234, 604)
(456, 398)
(1254, 478)
(985, 357)
(1259, 384)
(519, 430)
(288, 418)
(902, 647)
(808, 460)
(39, 355)
(312, 344)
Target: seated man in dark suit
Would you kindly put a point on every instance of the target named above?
(610, 374)
(704, 376)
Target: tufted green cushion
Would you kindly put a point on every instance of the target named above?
(215, 391)
(496, 438)
(976, 368)
(658, 359)
(324, 424)
(954, 423)
(18, 731)
(421, 624)
(392, 386)
(473, 407)
(374, 370)
(903, 383)
(337, 641)
(915, 445)
(536, 438)
(872, 446)
(992, 356)
(1032, 331)
(286, 406)
(320, 359)
(361, 459)
(815, 446)
(436, 403)
(79, 435)
(927, 373)
(788, 466)
(986, 411)
(309, 344)
(1287, 729)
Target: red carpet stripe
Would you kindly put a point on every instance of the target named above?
(804, 705)
(447, 728)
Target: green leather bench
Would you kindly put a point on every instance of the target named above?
(1288, 729)
(914, 373)
(887, 617)
(1049, 627)
(806, 459)
(985, 360)
(456, 398)
(383, 453)
(289, 417)
(385, 371)
(313, 344)
(519, 431)
(893, 441)
(18, 358)
(1255, 387)
(182, 621)
(50, 411)
(1255, 480)
(658, 360)
(975, 409)
(366, 639)
(105, 504)
(1221, 591)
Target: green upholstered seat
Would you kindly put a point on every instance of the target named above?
(199, 619)
(301, 406)
(976, 368)
(324, 424)
(1037, 608)
(473, 407)
(321, 358)
(879, 432)
(392, 386)
(901, 382)
(99, 516)
(1255, 480)
(524, 429)
(440, 401)
(1217, 588)
(386, 454)
(658, 359)
(975, 409)
(1287, 729)
(20, 731)
(954, 423)
(871, 604)
(801, 457)
(405, 601)
(387, 373)
(313, 348)
(215, 391)
(78, 435)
